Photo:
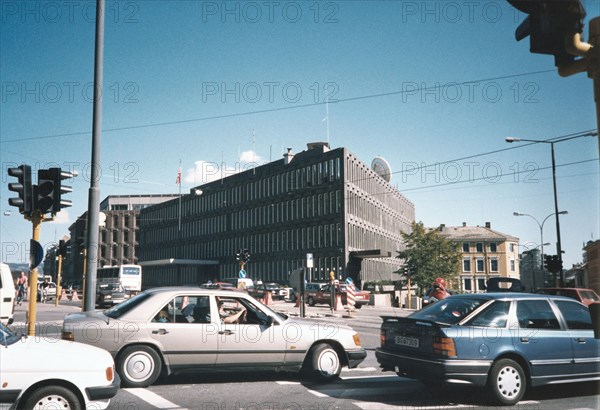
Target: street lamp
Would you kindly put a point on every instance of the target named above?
(556, 213)
(541, 226)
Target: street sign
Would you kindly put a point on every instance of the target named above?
(348, 281)
(309, 260)
(242, 274)
(36, 254)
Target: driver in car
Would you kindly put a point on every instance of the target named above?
(231, 315)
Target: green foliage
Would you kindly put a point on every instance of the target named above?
(429, 255)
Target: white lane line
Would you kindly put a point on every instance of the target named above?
(370, 377)
(361, 369)
(287, 383)
(383, 406)
(153, 399)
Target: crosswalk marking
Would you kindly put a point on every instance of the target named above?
(153, 399)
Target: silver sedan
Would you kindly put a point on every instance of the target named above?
(175, 329)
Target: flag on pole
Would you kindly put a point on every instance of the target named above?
(178, 180)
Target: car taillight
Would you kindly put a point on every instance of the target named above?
(444, 346)
(110, 374)
(382, 337)
(68, 336)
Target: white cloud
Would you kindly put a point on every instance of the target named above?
(61, 218)
(206, 171)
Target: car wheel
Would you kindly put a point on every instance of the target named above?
(293, 297)
(507, 382)
(138, 366)
(311, 301)
(358, 306)
(324, 363)
(52, 397)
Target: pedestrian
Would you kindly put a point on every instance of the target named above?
(21, 288)
(44, 289)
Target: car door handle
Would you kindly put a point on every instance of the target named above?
(525, 339)
(160, 332)
(581, 340)
(226, 332)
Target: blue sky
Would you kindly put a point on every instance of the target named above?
(202, 82)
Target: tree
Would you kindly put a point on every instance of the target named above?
(429, 255)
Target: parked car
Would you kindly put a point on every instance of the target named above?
(323, 296)
(241, 283)
(503, 284)
(54, 374)
(504, 342)
(108, 294)
(218, 285)
(585, 296)
(188, 328)
(50, 291)
(277, 291)
(309, 289)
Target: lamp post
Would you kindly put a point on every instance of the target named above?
(556, 213)
(541, 226)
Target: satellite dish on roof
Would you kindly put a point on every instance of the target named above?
(382, 168)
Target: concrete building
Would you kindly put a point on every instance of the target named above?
(532, 274)
(323, 202)
(117, 233)
(486, 253)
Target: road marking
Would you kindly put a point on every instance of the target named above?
(383, 406)
(153, 399)
(370, 377)
(361, 369)
(284, 383)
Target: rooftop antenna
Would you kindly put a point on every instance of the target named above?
(327, 115)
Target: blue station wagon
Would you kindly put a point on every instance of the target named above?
(505, 342)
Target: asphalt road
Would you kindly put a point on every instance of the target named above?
(363, 388)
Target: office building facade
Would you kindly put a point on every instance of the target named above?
(322, 202)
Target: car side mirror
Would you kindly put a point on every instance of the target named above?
(269, 321)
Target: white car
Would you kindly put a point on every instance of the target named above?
(38, 372)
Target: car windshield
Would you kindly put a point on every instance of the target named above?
(122, 308)
(7, 336)
(589, 294)
(450, 310)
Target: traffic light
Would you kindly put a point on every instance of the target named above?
(552, 263)
(50, 189)
(62, 248)
(58, 202)
(44, 191)
(22, 187)
(246, 256)
(550, 24)
(238, 255)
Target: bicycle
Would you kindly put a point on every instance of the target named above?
(20, 294)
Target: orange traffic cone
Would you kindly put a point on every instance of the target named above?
(63, 294)
(74, 297)
(297, 301)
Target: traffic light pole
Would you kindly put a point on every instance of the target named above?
(594, 66)
(58, 279)
(36, 219)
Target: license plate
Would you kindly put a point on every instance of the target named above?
(407, 341)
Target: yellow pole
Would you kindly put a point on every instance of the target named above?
(36, 219)
(408, 295)
(58, 279)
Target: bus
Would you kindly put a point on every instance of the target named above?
(130, 276)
